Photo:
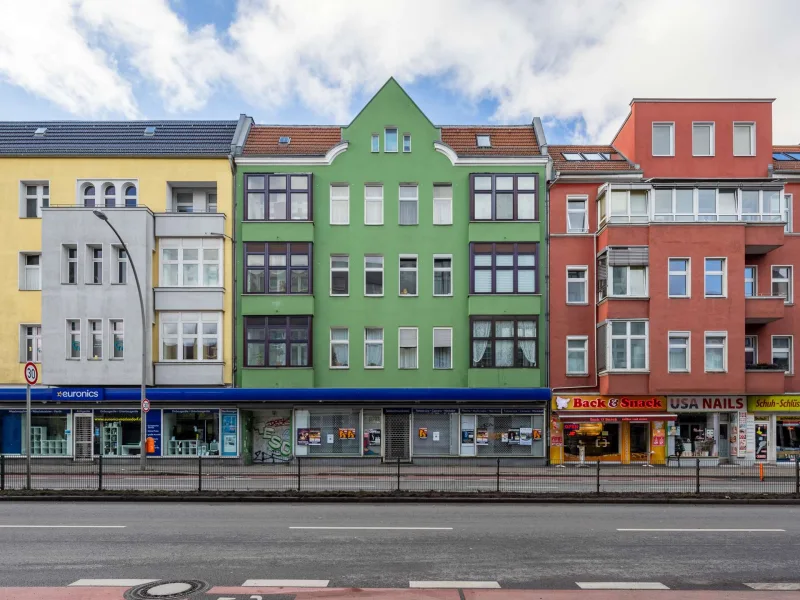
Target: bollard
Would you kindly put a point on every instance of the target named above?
(498, 475)
(100, 473)
(761, 471)
(697, 477)
(598, 475)
(298, 473)
(199, 473)
(398, 473)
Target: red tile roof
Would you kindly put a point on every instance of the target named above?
(511, 140)
(786, 165)
(305, 141)
(582, 166)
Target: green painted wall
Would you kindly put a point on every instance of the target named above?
(358, 166)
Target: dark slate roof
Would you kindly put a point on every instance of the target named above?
(116, 138)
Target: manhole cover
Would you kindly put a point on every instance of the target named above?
(166, 590)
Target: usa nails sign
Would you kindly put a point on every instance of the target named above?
(707, 403)
(610, 403)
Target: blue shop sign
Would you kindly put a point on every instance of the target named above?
(154, 429)
(89, 394)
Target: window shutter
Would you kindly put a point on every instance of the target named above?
(634, 256)
(442, 338)
(408, 338)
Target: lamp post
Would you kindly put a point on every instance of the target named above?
(143, 433)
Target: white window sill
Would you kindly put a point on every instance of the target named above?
(373, 295)
(625, 372)
(373, 368)
(718, 372)
(577, 374)
(586, 232)
(577, 304)
(678, 372)
(680, 297)
(628, 297)
(339, 368)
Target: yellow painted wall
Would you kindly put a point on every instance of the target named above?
(20, 235)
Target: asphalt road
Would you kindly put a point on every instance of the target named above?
(518, 546)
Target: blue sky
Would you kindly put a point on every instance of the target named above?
(575, 64)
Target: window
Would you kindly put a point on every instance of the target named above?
(702, 139)
(373, 275)
(663, 139)
(679, 278)
(89, 196)
(390, 140)
(340, 205)
(191, 262)
(340, 348)
(409, 205)
(94, 268)
(782, 283)
(73, 339)
(35, 198)
(117, 328)
(31, 271)
(442, 347)
(750, 282)
(629, 206)
(782, 352)
(278, 341)
(629, 351)
(503, 342)
(503, 268)
(576, 285)
(577, 355)
(373, 205)
(715, 277)
(787, 212)
(577, 218)
(278, 197)
(375, 143)
(679, 347)
(190, 336)
(130, 196)
(277, 268)
(744, 139)
(32, 340)
(442, 275)
(184, 202)
(122, 265)
(96, 333)
(483, 141)
(408, 275)
(69, 273)
(503, 197)
(110, 196)
(373, 348)
(194, 199)
(407, 357)
(629, 281)
(340, 275)
(716, 345)
(407, 142)
(750, 350)
(443, 204)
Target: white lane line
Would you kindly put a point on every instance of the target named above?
(621, 585)
(110, 582)
(309, 583)
(63, 526)
(379, 528)
(454, 584)
(705, 530)
(774, 587)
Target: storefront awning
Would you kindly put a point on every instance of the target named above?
(606, 417)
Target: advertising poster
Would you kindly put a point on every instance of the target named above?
(525, 436)
(467, 436)
(762, 441)
(153, 420)
(302, 437)
(537, 434)
(372, 442)
(482, 437)
(435, 436)
(230, 421)
(347, 433)
(504, 438)
(513, 436)
(423, 433)
(743, 433)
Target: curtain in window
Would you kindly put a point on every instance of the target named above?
(575, 357)
(504, 349)
(480, 329)
(714, 360)
(677, 358)
(408, 212)
(638, 352)
(526, 332)
(340, 211)
(441, 211)
(441, 358)
(441, 283)
(442, 344)
(340, 349)
(374, 351)
(255, 206)
(408, 349)
(374, 210)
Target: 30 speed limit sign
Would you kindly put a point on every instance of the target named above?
(31, 373)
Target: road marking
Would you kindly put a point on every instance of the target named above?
(379, 528)
(63, 526)
(310, 583)
(454, 584)
(774, 587)
(110, 582)
(621, 585)
(712, 530)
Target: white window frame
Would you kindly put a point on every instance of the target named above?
(333, 342)
(93, 335)
(628, 337)
(374, 343)
(374, 270)
(788, 280)
(100, 188)
(66, 261)
(787, 212)
(723, 273)
(91, 263)
(113, 335)
(70, 334)
(416, 347)
(671, 125)
(628, 217)
(738, 216)
(333, 270)
(386, 131)
(340, 196)
(400, 270)
(687, 345)
(119, 262)
(585, 200)
(724, 335)
(181, 317)
(754, 348)
(35, 339)
(373, 147)
(781, 350)
(754, 280)
(199, 244)
(375, 200)
(401, 201)
(447, 201)
(24, 269)
(628, 294)
(752, 126)
(585, 341)
(441, 270)
(450, 330)
(407, 138)
(42, 199)
(712, 136)
(687, 273)
(584, 280)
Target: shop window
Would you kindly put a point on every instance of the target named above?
(596, 440)
(503, 197)
(373, 275)
(49, 429)
(191, 262)
(373, 348)
(190, 336)
(696, 437)
(504, 342)
(340, 275)
(192, 432)
(120, 432)
(504, 268)
(278, 197)
(787, 439)
(337, 431)
(278, 268)
(509, 435)
(278, 341)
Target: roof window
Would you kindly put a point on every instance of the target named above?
(149, 131)
(284, 140)
(484, 141)
(40, 131)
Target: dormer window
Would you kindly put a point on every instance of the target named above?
(484, 141)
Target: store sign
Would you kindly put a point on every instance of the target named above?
(773, 404)
(610, 403)
(153, 421)
(76, 393)
(706, 403)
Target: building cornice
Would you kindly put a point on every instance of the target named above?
(326, 160)
(488, 161)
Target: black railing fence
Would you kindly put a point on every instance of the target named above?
(453, 475)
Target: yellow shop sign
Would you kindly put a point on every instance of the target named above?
(773, 404)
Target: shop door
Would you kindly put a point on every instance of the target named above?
(724, 441)
(10, 434)
(398, 436)
(83, 436)
(640, 442)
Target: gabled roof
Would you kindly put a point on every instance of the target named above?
(786, 165)
(506, 140)
(561, 164)
(263, 140)
(116, 138)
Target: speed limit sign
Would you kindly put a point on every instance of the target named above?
(31, 373)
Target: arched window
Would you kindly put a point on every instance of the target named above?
(110, 196)
(130, 196)
(88, 195)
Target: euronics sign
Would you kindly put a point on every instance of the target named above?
(77, 394)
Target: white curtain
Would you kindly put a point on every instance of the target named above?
(340, 211)
(408, 212)
(408, 349)
(255, 206)
(374, 212)
(526, 332)
(277, 206)
(442, 211)
(483, 207)
(480, 329)
(374, 350)
(526, 206)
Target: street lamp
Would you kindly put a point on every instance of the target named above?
(143, 433)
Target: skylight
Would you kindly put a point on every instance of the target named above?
(786, 156)
(593, 156)
(149, 131)
(484, 141)
(284, 140)
(794, 155)
(40, 131)
(572, 156)
(578, 156)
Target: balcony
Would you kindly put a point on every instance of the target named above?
(764, 381)
(190, 224)
(189, 298)
(760, 238)
(189, 373)
(759, 310)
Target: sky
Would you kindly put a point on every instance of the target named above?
(574, 63)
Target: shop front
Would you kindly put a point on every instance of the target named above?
(775, 423)
(51, 432)
(614, 429)
(713, 428)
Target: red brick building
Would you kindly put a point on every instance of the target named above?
(671, 278)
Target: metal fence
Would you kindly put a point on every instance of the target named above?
(447, 475)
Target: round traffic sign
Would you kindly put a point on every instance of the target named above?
(145, 405)
(31, 373)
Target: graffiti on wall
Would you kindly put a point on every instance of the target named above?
(272, 439)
